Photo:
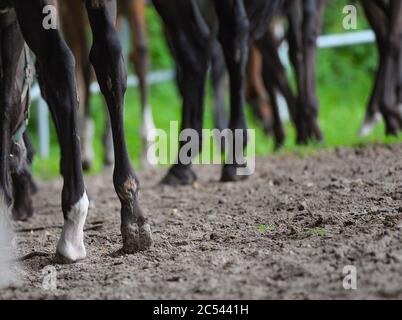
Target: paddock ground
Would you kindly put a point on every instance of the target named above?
(286, 233)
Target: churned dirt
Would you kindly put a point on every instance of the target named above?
(288, 232)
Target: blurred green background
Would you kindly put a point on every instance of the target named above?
(345, 79)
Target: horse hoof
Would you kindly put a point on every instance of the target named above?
(179, 177)
(135, 238)
(230, 174)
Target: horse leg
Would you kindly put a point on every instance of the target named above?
(135, 12)
(233, 36)
(11, 47)
(218, 75)
(256, 92)
(313, 13)
(268, 69)
(190, 46)
(295, 39)
(73, 22)
(278, 71)
(30, 157)
(378, 21)
(58, 84)
(106, 57)
(22, 182)
(389, 104)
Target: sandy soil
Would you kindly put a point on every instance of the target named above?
(286, 233)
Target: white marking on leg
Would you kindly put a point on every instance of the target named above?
(369, 125)
(148, 136)
(71, 243)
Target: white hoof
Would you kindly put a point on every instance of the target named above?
(369, 125)
(71, 243)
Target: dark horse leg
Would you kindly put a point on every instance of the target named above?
(377, 18)
(189, 42)
(11, 49)
(234, 38)
(219, 86)
(305, 22)
(23, 186)
(385, 19)
(56, 74)
(274, 77)
(389, 100)
(106, 57)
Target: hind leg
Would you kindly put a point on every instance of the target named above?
(106, 57)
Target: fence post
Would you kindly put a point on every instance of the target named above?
(43, 127)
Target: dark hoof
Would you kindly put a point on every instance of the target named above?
(135, 238)
(86, 165)
(310, 132)
(179, 177)
(229, 174)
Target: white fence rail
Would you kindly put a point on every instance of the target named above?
(325, 41)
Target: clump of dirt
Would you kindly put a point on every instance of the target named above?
(288, 232)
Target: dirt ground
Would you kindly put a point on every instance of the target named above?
(286, 233)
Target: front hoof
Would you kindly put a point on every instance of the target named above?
(179, 177)
(68, 252)
(135, 238)
(229, 174)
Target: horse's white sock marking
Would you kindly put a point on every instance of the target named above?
(148, 135)
(369, 125)
(71, 243)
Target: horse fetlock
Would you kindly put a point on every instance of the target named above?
(128, 190)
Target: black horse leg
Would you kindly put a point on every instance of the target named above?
(106, 57)
(389, 104)
(22, 181)
(30, 157)
(234, 37)
(11, 47)
(378, 21)
(56, 73)
(218, 76)
(190, 47)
